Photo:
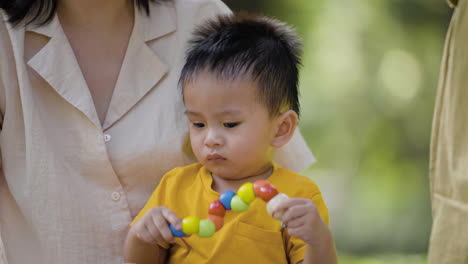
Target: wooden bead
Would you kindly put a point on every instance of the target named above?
(265, 190)
(238, 205)
(273, 204)
(246, 192)
(217, 220)
(206, 229)
(217, 208)
(190, 225)
(175, 232)
(226, 198)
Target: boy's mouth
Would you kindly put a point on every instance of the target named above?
(215, 157)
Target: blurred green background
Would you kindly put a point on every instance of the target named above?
(368, 84)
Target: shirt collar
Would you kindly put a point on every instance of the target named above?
(47, 30)
(207, 179)
(160, 22)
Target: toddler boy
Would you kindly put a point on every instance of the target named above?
(239, 86)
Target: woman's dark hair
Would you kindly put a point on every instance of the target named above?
(40, 12)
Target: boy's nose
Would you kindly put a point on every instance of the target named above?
(213, 139)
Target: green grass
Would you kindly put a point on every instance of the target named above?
(383, 259)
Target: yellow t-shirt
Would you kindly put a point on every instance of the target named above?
(248, 237)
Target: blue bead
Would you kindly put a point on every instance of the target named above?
(226, 198)
(175, 232)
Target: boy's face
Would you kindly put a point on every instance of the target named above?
(230, 128)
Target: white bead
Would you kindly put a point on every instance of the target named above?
(273, 204)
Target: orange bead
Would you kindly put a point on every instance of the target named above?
(217, 220)
(265, 190)
(217, 208)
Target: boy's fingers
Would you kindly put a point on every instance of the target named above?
(147, 234)
(163, 228)
(145, 237)
(172, 218)
(293, 212)
(294, 232)
(284, 205)
(295, 223)
(156, 233)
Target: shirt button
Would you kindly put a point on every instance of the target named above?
(115, 196)
(107, 137)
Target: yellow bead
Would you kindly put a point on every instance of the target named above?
(246, 192)
(190, 225)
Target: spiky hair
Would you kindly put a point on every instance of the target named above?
(263, 49)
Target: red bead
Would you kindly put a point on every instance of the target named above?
(217, 208)
(217, 220)
(264, 190)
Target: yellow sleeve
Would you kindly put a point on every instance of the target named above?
(296, 248)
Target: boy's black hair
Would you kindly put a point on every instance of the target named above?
(41, 12)
(263, 49)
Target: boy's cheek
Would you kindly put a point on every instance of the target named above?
(196, 143)
(195, 135)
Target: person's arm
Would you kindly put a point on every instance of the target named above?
(140, 252)
(149, 236)
(324, 253)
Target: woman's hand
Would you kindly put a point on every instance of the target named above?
(153, 227)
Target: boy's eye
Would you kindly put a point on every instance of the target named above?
(231, 125)
(198, 125)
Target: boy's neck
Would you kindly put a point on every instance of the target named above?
(221, 185)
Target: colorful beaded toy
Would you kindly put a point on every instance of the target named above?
(230, 200)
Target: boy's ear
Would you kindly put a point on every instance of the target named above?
(286, 125)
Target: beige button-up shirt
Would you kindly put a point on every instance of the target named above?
(449, 147)
(70, 186)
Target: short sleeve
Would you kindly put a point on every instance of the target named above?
(210, 8)
(296, 248)
(192, 13)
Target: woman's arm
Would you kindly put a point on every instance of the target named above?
(140, 252)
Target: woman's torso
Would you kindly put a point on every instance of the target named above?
(71, 185)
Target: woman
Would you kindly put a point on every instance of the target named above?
(91, 119)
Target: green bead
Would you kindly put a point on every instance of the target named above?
(246, 192)
(238, 205)
(190, 225)
(207, 228)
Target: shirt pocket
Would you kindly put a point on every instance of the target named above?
(259, 234)
(258, 245)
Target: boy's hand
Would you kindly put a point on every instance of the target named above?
(153, 227)
(303, 220)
